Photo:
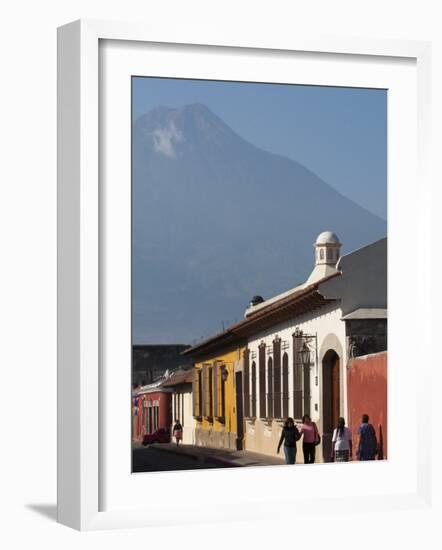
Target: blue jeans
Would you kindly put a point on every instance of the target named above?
(290, 454)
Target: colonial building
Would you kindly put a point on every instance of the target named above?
(151, 408)
(298, 364)
(292, 351)
(217, 391)
(181, 384)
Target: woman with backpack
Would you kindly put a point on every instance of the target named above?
(368, 445)
(289, 435)
(311, 439)
(341, 442)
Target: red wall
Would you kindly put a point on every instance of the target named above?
(367, 393)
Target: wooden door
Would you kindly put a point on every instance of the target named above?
(331, 398)
(239, 412)
(335, 392)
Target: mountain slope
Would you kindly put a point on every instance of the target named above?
(217, 220)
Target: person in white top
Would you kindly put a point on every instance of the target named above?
(341, 443)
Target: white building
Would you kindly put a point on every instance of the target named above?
(299, 342)
(180, 382)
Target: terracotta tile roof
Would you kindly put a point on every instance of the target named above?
(294, 304)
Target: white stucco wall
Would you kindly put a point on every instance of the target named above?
(363, 282)
(184, 414)
(326, 324)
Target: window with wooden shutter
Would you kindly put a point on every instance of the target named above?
(253, 403)
(197, 409)
(204, 390)
(207, 392)
(210, 393)
(194, 396)
(222, 396)
(216, 385)
(277, 378)
(297, 376)
(156, 417)
(285, 385)
(262, 381)
(306, 388)
(270, 388)
(246, 384)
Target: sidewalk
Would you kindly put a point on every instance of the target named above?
(223, 457)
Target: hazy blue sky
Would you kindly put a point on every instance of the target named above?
(338, 133)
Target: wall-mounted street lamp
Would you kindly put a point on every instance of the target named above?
(309, 351)
(305, 355)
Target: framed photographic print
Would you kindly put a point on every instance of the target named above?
(235, 250)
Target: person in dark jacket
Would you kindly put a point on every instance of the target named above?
(177, 432)
(368, 445)
(289, 435)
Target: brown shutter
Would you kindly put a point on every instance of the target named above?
(216, 370)
(210, 391)
(285, 385)
(246, 383)
(200, 393)
(306, 388)
(253, 390)
(203, 390)
(221, 411)
(277, 378)
(297, 376)
(270, 388)
(262, 381)
(196, 394)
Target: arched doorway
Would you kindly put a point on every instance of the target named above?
(331, 399)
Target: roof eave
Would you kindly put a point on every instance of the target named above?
(307, 299)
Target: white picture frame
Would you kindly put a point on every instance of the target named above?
(80, 394)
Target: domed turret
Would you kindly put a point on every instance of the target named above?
(327, 247)
(327, 237)
(327, 252)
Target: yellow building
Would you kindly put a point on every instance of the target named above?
(217, 393)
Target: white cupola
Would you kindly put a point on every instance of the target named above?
(327, 247)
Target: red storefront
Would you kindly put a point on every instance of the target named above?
(151, 410)
(367, 394)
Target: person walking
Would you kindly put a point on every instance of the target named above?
(177, 432)
(289, 435)
(311, 438)
(368, 444)
(341, 442)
